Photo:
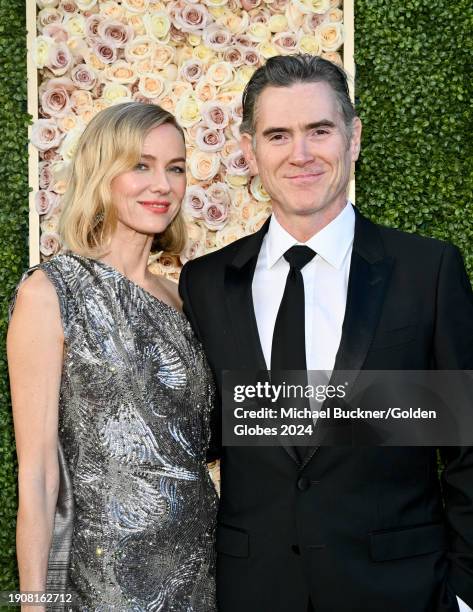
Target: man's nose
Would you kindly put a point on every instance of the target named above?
(301, 152)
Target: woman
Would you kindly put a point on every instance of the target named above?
(111, 392)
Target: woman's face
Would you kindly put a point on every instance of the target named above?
(148, 197)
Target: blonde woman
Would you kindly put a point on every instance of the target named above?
(111, 391)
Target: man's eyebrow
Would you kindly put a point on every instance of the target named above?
(171, 161)
(310, 126)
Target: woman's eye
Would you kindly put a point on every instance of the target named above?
(141, 166)
(177, 169)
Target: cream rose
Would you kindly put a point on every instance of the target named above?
(312, 6)
(220, 73)
(204, 54)
(218, 193)
(157, 25)
(47, 3)
(255, 222)
(235, 181)
(195, 245)
(121, 72)
(267, 50)
(334, 57)
(163, 55)
(335, 15)
(151, 85)
(295, 17)
(278, 23)
(228, 234)
(136, 6)
(75, 26)
(112, 10)
(141, 47)
(240, 197)
(258, 32)
(205, 91)
(137, 23)
(237, 23)
(215, 3)
(204, 166)
(47, 16)
(68, 122)
(85, 5)
(258, 191)
(81, 99)
(69, 144)
(331, 36)
(45, 134)
(113, 93)
(249, 5)
(188, 110)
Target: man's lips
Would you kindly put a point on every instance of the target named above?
(305, 176)
(156, 206)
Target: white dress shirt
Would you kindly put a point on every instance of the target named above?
(325, 288)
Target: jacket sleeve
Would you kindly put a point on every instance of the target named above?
(453, 350)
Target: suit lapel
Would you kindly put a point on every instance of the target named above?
(370, 271)
(239, 300)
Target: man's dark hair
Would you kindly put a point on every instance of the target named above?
(287, 70)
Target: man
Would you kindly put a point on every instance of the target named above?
(334, 529)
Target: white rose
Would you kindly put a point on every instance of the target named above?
(258, 191)
(85, 5)
(311, 44)
(220, 73)
(188, 110)
(204, 166)
(114, 93)
(157, 25)
(142, 47)
(195, 246)
(136, 6)
(75, 26)
(69, 144)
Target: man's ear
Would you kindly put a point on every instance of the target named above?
(355, 142)
(246, 145)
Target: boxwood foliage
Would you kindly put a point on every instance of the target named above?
(414, 98)
(13, 247)
(414, 173)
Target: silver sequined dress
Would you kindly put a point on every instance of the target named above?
(135, 519)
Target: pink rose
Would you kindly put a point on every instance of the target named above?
(191, 17)
(218, 193)
(45, 134)
(57, 32)
(45, 175)
(233, 56)
(278, 6)
(216, 37)
(50, 155)
(286, 42)
(92, 25)
(252, 58)
(55, 101)
(46, 202)
(83, 77)
(244, 42)
(215, 115)
(49, 243)
(115, 33)
(194, 201)
(105, 52)
(68, 6)
(249, 5)
(48, 16)
(59, 59)
(209, 139)
(192, 70)
(237, 164)
(177, 36)
(214, 216)
(312, 21)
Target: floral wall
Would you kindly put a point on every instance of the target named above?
(193, 58)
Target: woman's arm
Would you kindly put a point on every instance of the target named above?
(35, 353)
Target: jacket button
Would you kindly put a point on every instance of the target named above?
(303, 483)
(295, 549)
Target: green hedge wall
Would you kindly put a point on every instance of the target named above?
(13, 246)
(412, 88)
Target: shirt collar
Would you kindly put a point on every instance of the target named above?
(331, 243)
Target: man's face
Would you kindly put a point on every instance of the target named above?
(302, 153)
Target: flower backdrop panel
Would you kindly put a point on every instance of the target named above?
(193, 58)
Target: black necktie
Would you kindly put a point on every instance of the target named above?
(288, 347)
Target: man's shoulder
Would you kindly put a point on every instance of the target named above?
(219, 258)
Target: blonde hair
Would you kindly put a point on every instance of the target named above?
(110, 145)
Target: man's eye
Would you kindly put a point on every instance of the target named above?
(321, 132)
(277, 137)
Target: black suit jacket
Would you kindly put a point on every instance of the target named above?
(368, 529)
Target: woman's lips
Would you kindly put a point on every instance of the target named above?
(156, 206)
